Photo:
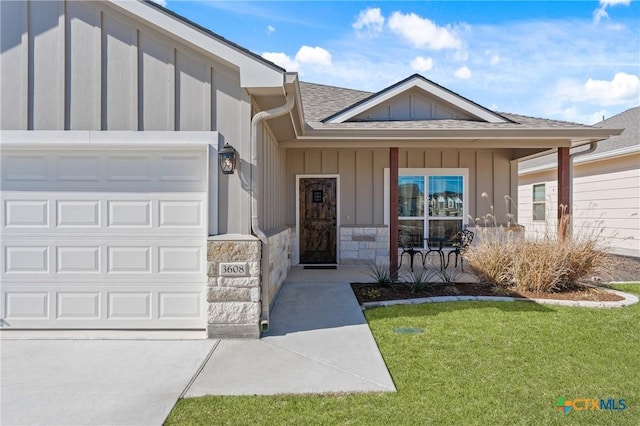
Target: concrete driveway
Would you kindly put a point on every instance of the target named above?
(95, 382)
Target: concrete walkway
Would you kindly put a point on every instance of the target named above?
(95, 382)
(318, 342)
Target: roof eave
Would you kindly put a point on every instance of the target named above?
(255, 72)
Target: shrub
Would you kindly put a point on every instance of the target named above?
(419, 279)
(547, 265)
(381, 273)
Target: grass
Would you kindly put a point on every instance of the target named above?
(477, 363)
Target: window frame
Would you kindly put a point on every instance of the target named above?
(426, 173)
(536, 203)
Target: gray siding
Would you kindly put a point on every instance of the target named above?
(70, 65)
(361, 174)
(272, 183)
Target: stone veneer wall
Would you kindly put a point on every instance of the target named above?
(279, 261)
(233, 302)
(363, 245)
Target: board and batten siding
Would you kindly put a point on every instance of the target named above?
(71, 65)
(606, 203)
(361, 171)
(272, 182)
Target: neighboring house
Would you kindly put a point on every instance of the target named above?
(116, 216)
(606, 189)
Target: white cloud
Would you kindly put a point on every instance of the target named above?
(370, 22)
(421, 64)
(271, 29)
(422, 32)
(623, 88)
(282, 59)
(463, 73)
(313, 55)
(162, 3)
(601, 12)
(494, 58)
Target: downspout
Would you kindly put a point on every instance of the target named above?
(255, 223)
(592, 147)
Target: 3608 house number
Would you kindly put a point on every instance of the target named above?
(235, 269)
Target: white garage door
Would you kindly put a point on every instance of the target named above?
(107, 238)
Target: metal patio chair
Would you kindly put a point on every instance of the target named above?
(461, 241)
(407, 244)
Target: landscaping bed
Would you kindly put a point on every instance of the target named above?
(369, 292)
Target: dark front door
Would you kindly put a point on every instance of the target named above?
(318, 220)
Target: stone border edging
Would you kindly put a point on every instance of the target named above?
(629, 299)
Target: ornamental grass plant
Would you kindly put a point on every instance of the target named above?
(547, 264)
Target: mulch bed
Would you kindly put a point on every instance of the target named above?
(369, 292)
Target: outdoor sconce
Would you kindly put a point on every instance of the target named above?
(227, 157)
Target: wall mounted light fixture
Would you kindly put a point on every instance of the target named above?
(227, 158)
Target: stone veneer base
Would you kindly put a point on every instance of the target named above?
(233, 331)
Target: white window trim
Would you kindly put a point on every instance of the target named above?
(429, 172)
(534, 202)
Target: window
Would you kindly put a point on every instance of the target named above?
(432, 202)
(539, 207)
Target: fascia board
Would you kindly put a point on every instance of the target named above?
(422, 143)
(575, 136)
(586, 159)
(434, 90)
(253, 72)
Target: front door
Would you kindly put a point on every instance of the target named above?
(318, 220)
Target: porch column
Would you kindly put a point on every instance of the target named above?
(564, 192)
(393, 212)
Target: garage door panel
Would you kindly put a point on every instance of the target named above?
(26, 214)
(104, 239)
(130, 167)
(130, 305)
(155, 170)
(78, 259)
(78, 305)
(30, 167)
(129, 260)
(180, 259)
(129, 214)
(180, 214)
(175, 305)
(78, 214)
(26, 305)
(180, 168)
(77, 167)
(160, 214)
(25, 259)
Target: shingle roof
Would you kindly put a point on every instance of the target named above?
(628, 120)
(321, 101)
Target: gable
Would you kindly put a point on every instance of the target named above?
(415, 98)
(414, 104)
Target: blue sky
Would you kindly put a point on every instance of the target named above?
(568, 60)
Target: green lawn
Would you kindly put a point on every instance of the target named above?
(476, 363)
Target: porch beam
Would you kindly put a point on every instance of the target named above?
(393, 212)
(564, 192)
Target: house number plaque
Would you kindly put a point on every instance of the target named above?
(316, 196)
(235, 269)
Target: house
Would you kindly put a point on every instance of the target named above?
(606, 189)
(116, 217)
